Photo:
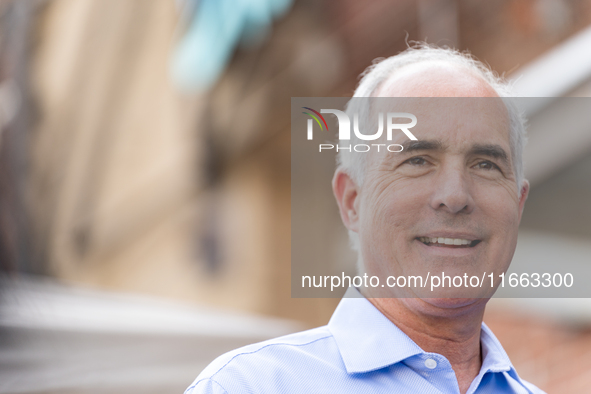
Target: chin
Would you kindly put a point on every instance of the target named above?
(437, 307)
(447, 307)
(451, 303)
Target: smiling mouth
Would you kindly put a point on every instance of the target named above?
(449, 242)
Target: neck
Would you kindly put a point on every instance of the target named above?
(452, 332)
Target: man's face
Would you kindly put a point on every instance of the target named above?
(456, 184)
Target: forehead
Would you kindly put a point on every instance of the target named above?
(452, 104)
(458, 119)
(434, 79)
(457, 124)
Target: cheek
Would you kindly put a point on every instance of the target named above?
(388, 218)
(384, 211)
(501, 208)
(501, 218)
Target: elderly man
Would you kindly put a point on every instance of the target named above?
(451, 200)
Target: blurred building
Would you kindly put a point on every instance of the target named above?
(114, 177)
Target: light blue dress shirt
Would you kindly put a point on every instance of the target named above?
(359, 351)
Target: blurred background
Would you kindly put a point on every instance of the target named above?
(145, 176)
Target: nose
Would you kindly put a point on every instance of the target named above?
(451, 192)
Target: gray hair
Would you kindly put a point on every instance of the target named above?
(382, 69)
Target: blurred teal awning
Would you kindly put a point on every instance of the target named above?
(215, 28)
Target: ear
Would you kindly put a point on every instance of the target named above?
(346, 193)
(523, 193)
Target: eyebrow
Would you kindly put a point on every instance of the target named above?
(490, 150)
(411, 146)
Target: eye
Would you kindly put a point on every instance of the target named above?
(416, 161)
(487, 165)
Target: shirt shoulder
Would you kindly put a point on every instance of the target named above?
(276, 361)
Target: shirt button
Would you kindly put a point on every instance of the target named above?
(430, 363)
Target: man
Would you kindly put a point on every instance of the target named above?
(450, 201)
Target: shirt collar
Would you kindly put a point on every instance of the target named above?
(494, 357)
(360, 329)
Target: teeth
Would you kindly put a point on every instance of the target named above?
(445, 241)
